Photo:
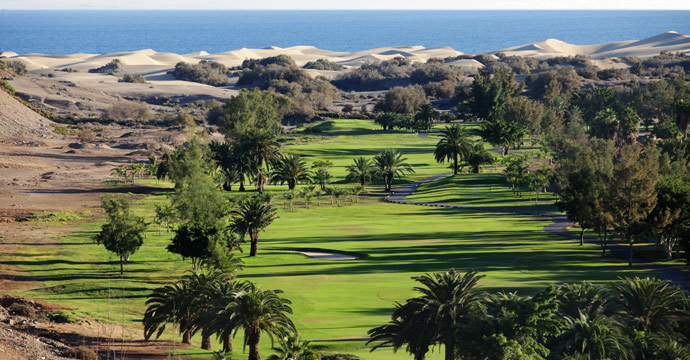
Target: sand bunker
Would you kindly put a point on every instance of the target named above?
(327, 255)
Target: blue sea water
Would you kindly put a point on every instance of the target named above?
(63, 32)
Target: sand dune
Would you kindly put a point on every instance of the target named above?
(669, 41)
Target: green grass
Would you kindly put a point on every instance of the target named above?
(336, 302)
(482, 190)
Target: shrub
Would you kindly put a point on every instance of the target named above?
(81, 353)
(127, 111)
(24, 310)
(339, 357)
(402, 100)
(280, 60)
(68, 70)
(440, 90)
(129, 78)
(372, 76)
(108, 68)
(323, 64)
(347, 108)
(433, 72)
(62, 317)
(86, 135)
(7, 87)
(205, 72)
(16, 67)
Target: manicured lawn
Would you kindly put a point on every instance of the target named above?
(482, 190)
(336, 302)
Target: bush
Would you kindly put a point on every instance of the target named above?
(127, 111)
(81, 353)
(434, 72)
(108, 68)
(339, 357)
(323, 64)
(205, 72)
(24, 310)
(68, 70)
(373, 76)
(7, 87)
(403, 100)
(440, 90)
(129, 78)
(280, 60)
(86, 135)
(62, 317)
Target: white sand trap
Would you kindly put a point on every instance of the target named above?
(327, 256)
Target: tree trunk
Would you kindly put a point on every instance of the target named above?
(206, 342)
(605, 235)
(476, 169)
(455, 164)
(227, 343)
(242, 186)
(255, 246)
(450, 349)
(582, 236)
(122, 269)
(186, 334)
(630, 250)
(253, 342)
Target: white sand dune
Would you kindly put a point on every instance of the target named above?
(669, 41)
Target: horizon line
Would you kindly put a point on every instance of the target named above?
(366, 9)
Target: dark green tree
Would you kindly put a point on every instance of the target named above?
(290, 169)
(123, 232)
(454, 146)
(252, 216)
(390, 163)
(361, 170)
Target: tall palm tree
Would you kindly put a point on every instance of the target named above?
(252, 216)
(426, 115)
(254, 310)
(290, 169)
(361, 170)
(478, 156)
(168, 304)
(454, 144)
(407, 327)
(447, 299)
(262, 146)
(652, 305)
(597, 338)
(390, 163)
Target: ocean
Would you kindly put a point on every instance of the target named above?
(91, 31)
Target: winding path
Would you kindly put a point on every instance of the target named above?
(560, 222)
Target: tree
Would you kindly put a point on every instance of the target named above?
(361, 170)
(387, 120)
(293, 348)
(152, 169)
(584, 175)
(425, 116)
(670, 219)
(454, 145)
(628, 125)
(490, 93)
(526, 112)
(652, 305)
(290, 169)
(682, 111)
(597, 338)
(584, 298)
(321, 175)
(123, 232)
(516, 172)
(164, 215)
(604, 125)
(478, 156)
(402, 100)
(407, 327)
(252, 215)
(632, 192)
(251, 109)
(254, 310)
(198, 241)
(446, 300)
(390, 163)
(499, 132)
(540, 180)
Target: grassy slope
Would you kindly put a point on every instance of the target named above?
(333, 299)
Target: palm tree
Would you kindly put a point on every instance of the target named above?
(597, 338)
(454, 144)
(652, 305)
(390, 163)
(168, 304)
(292, 348)
(585, 298)
(251, 309)
(447, 299)
(407, 327)
(252, 216)
(426, 115)
(262, 146)
(478, 156)
(290, 169)
(361, 170)
(261, 181)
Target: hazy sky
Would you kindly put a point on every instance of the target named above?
(348, 4)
